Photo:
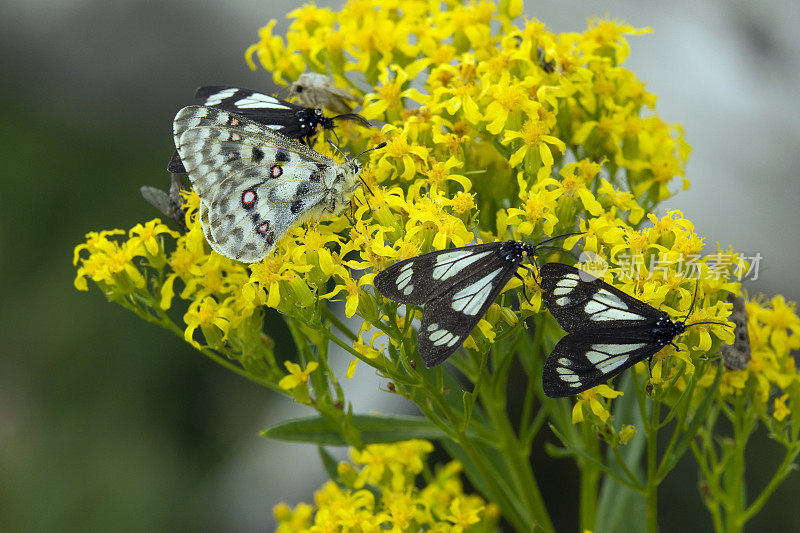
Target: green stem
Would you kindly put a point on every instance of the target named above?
(590, 479)
(651, 487)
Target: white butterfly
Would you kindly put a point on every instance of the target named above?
(254, 183)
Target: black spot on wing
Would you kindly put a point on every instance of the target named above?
(281, 156)
(258, 154)
(296, 206)
(302, 190)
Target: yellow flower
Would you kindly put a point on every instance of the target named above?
(535, 137)
(592, 399)
(297, 376)
(781, 411)
(146, 236)
(204, 314)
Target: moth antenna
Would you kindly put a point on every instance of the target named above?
(709, 322)
(337, 137)
(559, 237)
(555, 249)
(355, 117)
(694, 298)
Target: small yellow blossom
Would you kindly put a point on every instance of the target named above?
(297, 376)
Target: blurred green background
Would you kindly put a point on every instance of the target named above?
(107, 423)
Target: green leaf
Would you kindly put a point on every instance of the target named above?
(330, 464)
(374, 429)
(621, 508)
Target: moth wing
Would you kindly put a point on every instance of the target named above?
(448, 319)
(582, 303)
(579, 362)
(419, 279)
(256, 106)
(737, 355)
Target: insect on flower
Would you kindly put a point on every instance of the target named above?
(607, 330)
(254, 183)
(317, 90)
(288, 119)
(455, 288)
(736, 356)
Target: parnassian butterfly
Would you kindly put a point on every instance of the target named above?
(291, 120)
(607, 330)
(455, 288)
(254, 183)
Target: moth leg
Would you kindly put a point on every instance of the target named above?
(524, 288)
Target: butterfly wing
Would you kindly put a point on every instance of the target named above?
(274, 113)
(255, 183)
(582, 303)
(580, 362)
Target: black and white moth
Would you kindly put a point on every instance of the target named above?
(736, 356)
(290, 120)
(607, 330)
(455, 288)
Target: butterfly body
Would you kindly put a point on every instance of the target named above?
(254, 183)
(607, 330)
(286, 118)
(455, 286)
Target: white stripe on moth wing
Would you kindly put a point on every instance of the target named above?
(564, 361)
(612, 364)
(614, 315)
(562, 370)
(404, 278)
(436, 335)
(609, 299)
(446, 338)
(567, 282)
(560, 291)
(259, 101)
(408, 290)
(460, 260)
(576, 385)
(433, 327)
(470, 299)
(571, 378)
(563, 301)
(217, 98)
(617, 349)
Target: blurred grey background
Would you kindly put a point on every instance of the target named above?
(108, 423)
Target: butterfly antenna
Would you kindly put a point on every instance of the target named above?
(381, 145)
(338, 142)
(337, 148)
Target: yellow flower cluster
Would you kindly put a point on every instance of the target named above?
(380, 493)
(495, 130)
